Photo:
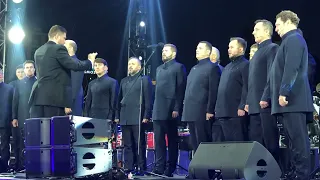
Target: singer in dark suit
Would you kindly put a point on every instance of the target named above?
(232, 92)
(21, 112)
(290, 92)
(129, 117)
(76, 81)
(6, 94)
(169, 92)
(52, 93)
(201, 95)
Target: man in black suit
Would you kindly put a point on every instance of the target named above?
(263, 126)
(21, 111)
(6, 94)
(76, 81)
(129, 117)
(232, 92)
(51, 95)
(170, 86)
(290, 91)
(102, 93)
(201, 95)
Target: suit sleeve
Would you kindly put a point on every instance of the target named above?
(88, 101)
(147, 91)
(294, 53)
(180, 87)
(15, 103)
(120, 96)
(266, 93)
(69, 63)
(244, 90)
(214, 79)
(114, 98)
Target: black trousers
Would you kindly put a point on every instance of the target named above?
(4, 148)
(255, 128)
(217, 133)
(46, 111)
(161, 128)
(234, 128)
(130, 137)
(200, 131)
(18, 147)
(270, 134)
(295, 128)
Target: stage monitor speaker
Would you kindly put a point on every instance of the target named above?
(91, 130)
(234, 160)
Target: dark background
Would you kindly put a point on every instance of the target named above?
(99, 25)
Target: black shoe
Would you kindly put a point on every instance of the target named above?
(168, 172)
(156, 171)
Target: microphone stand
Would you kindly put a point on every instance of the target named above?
(140, 111)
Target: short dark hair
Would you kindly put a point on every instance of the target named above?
(255, 45)
(100, 60)
(29, 62)
(208, 45)
(56, 29)
(266, 24)
(173, 47)
(241, 42)
(288, 15)
(20, 66)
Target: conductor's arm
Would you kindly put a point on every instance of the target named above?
(67, 62)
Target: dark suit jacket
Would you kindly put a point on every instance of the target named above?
(54, 65)
(129, 110)
(6, 94)
(20, 106)
(259, 69)
(77, 90)
(289, 76)
(170, 86)
(201, 92)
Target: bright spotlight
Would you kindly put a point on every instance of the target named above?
(17, 1)
(140, 58)
(16, 34)
(142, 23)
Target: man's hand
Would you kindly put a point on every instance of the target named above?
(175, 114)
(246, 108)
(145, 120)
(263, 104)
(92, 56)
(67, 110)
(241, 112)
(15, 123)
(209, 116)
(283, 101)
(117, 121)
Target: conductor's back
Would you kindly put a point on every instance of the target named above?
(51, 95)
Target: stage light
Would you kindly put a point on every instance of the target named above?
(16, 34)
(142, 23)
(17, 1)
(140, 58)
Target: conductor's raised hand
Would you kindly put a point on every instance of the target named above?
(92, 56)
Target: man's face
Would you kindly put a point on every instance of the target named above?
(259, 32)
(202, 51)
(167, 54)
(213, 56)
(61, 38)
(234, 49)
(1, 76)
(100, 68)
(133, 66)
(280, 27)
(252, 51)
(20, 73)
(29, 69)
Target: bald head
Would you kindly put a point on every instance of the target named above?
(215, 55)
(71, 47)
(134, 66)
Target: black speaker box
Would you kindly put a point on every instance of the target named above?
(43, 132)
(234, 160)
(48, 162)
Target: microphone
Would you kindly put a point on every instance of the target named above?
(160, 44)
